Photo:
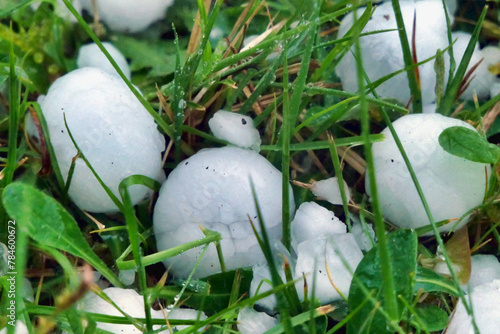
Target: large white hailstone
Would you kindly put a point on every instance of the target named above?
(312, 221)
(481, 78)
(113, 130)
(484, 269)
(451, 185)
(90, 55)
(486, 311)
(212, 189)
(130, 302)
(329, 190)
(129, 15)
(252, 322)
(382, 53)
(340, 253)
(235, 128)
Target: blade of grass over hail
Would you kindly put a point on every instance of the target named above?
(340, 178)
(385, 262)
(415, 90)
(453, 87)
(268, 254)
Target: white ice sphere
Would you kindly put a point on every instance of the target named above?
(329, 190)
(212, 189)
(261, 282)
(253, 322)
(364, 235)
(484, 269)
(486, 311)
(20, 328)
(312, 221)
(451, 185)
(481, 78)
(235, 128)
(340, 252)
(129, 15)
(90, 55)
(382, 53)
(113, 130)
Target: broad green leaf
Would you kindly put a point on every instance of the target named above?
(431, 317)
(158, 56)
(368, 280)
(50, 224)
(429, 281)
(468, 144)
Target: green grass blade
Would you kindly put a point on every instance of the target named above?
(454, 84)
(385, 261)
(415, 89)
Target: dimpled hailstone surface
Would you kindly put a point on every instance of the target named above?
(312, 255)
(382, 53)
(481, 77)
(484, 269)
(113, 130)
(451, 185)
(236, 129)
(129, 15)
(90, 55)
(212, 189)
(486, 311)
(312, 221)
(253, 322)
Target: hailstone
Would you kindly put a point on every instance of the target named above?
(212, 189)
(113, 130)
(329, 190)
(130, 302)
(486, 311)
(90, 55)
(312, 221)
(252, 322)
(451, 185)
(382, 53)
(129, 15)
(484, 269)
(236, 129)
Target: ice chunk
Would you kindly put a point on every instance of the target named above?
(212, 189)
(451, 185)
(484, 269)
(129, 15)
(90, 55)
(364, 234)
(236, 129)
(253, 322)
(179, 314)
(261, 282)
(113, 130)
(382, 53)
(312, 221)
(329, 190)
(486, 310)
(340, 253)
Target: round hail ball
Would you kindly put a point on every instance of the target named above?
(212, 189)
(129, 15)
(451, 185)
(382, 53)
(113, 130)
(90, 55)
